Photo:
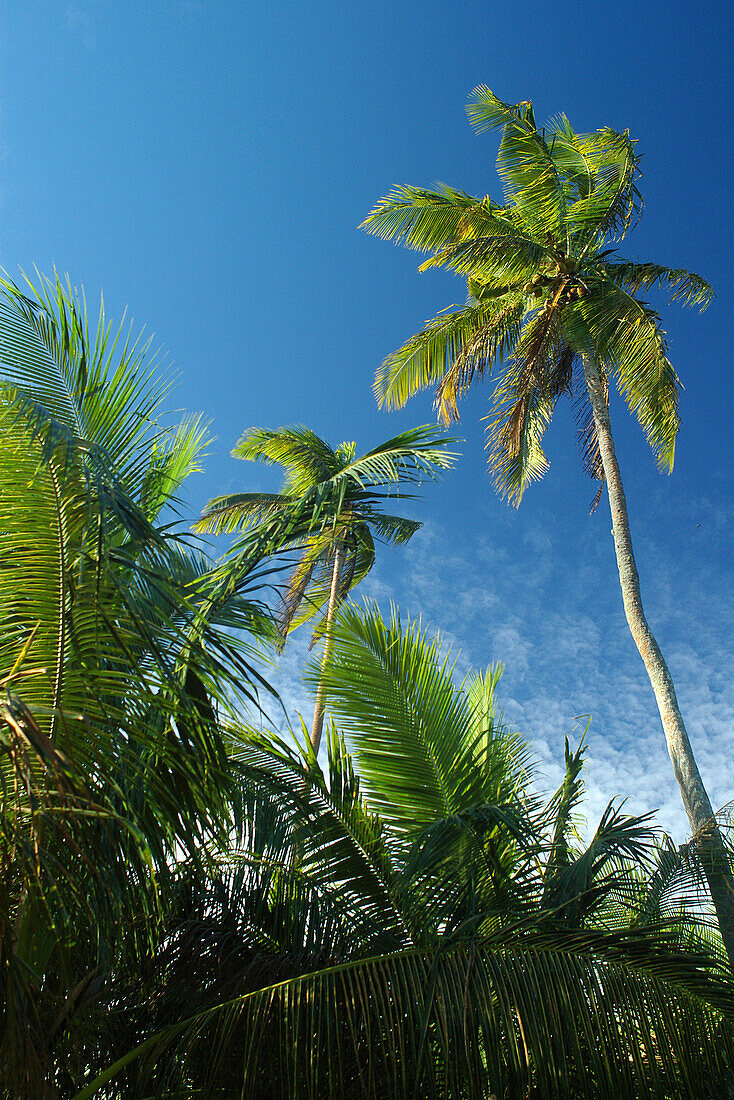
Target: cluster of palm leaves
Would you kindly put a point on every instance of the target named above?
(116, 642)
(193, 906)
(413, 919)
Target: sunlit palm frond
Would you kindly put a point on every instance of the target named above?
(613, 200)
(448, 353)
(423, 219)
(524, 162)
(240, 511)
(500, 263)
(177, 455)
(419, 752)
(631, 343)
(411, 457)
(304, 456)
(685, 286)
(105, 388)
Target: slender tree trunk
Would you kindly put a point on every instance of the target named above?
(695, 799)
(318, 714)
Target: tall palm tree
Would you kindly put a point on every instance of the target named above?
(549, 299)
(443, 932)
(334, 498)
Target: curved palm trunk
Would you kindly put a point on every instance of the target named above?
(318, 714)
(695, 799)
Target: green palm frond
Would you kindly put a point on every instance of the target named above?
(177, 455)
(487, 112)
(631, 343)
(115, 656)
(516, 456)
(601, 1018)
(306, 458)
(524, 162)
(587, 440)
(523, 403)
(449, 352)
(309, 585)
(612, 200)
(424, 219)
(562, 811)
(573, 161)
(393, 529)
(686, 287)
(225, 515)
(410, 457)
(341, 844)
(505, 261)
(105, 388)
(576, 883)
(421, 756)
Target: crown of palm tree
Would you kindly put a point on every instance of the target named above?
(331, 499)
(545, 290)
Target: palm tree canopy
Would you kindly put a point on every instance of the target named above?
(115, 660)
(545, 290)
(330, 498)
(448, 932)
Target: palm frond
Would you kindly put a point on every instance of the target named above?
(448, 353)
(524, 162)
(410, 457)
(105, 388)
(686, 287)
(304, 456)
(173, 459)
(613, 200)
(523, 403)
(526, 1018)
(423, 219)
(630, 342)
(500, 262)
(233, 512)
(419, 753)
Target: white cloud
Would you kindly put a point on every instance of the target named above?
(79, 21)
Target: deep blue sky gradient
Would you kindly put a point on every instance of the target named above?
(207, 165)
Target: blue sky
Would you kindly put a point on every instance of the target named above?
(206, 165)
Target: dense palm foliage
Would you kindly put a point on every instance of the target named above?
(113, 651)
(553, 306)
(420, 922)
(331, 506)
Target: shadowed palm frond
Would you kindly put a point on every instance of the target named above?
(526, 1018)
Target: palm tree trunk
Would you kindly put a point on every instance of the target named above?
(695, 799)
(318, 714)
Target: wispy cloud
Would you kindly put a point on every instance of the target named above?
(79, 21)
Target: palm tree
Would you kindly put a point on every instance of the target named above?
(548, 298)
(114, 662)
(333, 499)
(443, 931)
